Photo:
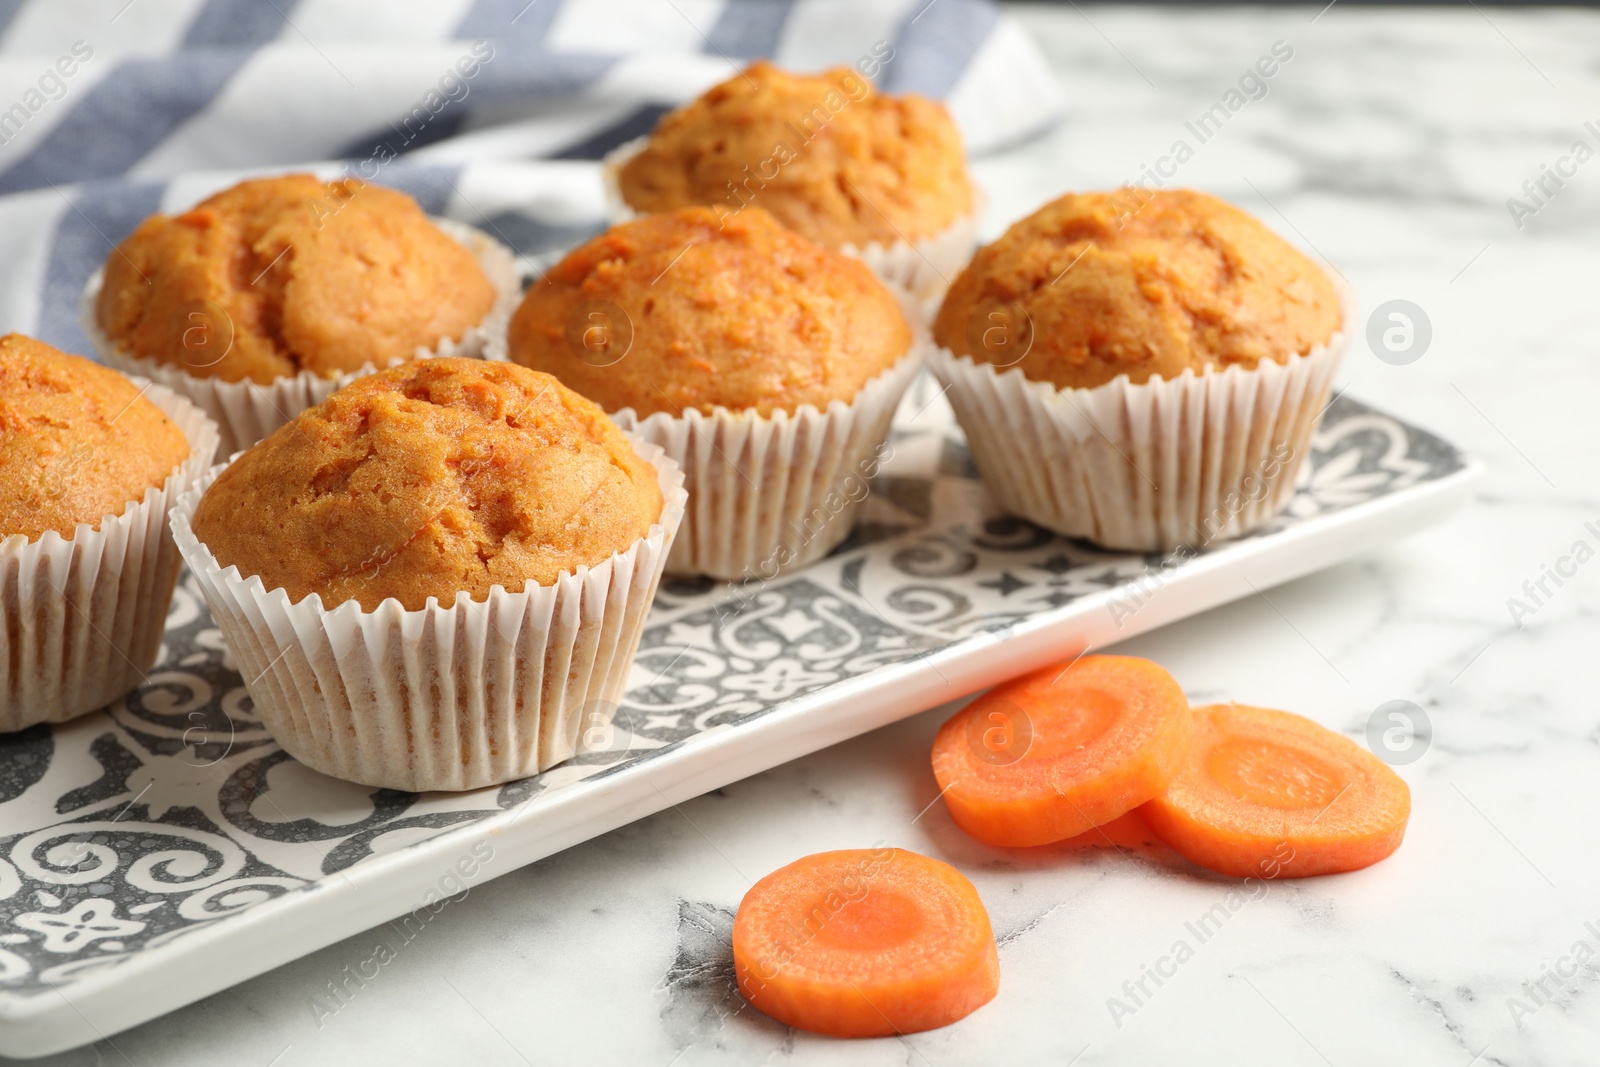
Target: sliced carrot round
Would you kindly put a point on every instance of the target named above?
(1270, 794)
(865, 943)
(1060, 751)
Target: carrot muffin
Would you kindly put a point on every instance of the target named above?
(741, 314)
(1141, 369)
(431, 478)
(485, 545)
(1108, 287)
(289, 274)
(78, 442)
(826, 154)
(711, 337)
(90, 463)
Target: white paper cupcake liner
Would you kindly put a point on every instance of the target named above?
(1145, 468)
(768, 494)
(246, 412)
(458, 697)
(81, 620)
(924, 268)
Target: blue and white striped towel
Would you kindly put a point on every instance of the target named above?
(490, 111)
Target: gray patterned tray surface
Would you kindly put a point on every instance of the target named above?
(128, 830)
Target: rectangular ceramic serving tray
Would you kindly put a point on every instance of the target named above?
(163, 849)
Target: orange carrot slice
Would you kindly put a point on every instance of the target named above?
(1049, 755)
(1269, 794)
(865, 943)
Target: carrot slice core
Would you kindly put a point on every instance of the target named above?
(1270, 794)
(865, 943)
(1272, 775)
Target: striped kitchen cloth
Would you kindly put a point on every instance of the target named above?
(490, 111)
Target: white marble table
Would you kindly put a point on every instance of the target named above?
(1389, 143)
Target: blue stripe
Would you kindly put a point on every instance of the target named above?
(123, 117)
(518, 76)
(396, 139)
(529, 235)
(596, 145)
(749, 28)
(101, 215)
(935, 44)
(431, 186)
(519, 21)
(8, 11)
(512, 77)
(237, 23)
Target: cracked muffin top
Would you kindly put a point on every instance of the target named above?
(685, 310)
(289, 274)
(826, 154)
(1147, 284)
(78, 441)
(433, 477)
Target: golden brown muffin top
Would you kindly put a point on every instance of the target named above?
(1095, 285)
(432, 477)
(280, 275)
(78, 442)
(826, 154)
(676, 311)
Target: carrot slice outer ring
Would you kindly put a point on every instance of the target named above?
(1271, 794)
(865, 943)
(1055, 753)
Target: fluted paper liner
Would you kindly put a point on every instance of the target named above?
(245, 412)
(924, 268)
(81, 619)
(1145, 468)
(458, 697)
(771, 493)
(927, 267)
